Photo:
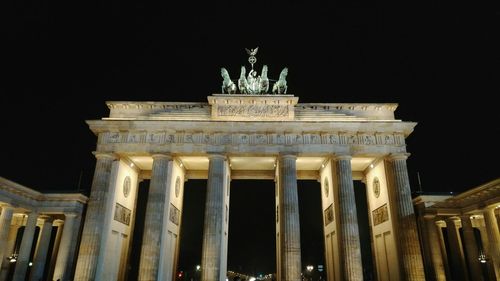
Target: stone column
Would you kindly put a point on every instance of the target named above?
(67, 247)
(435, 249)
(350, 249)
(407, 234)
(471, 249)
(212, 260)
(55, 248)
(14, 229)
(458, 266)
(25, 249)
(291, 264)
(42, 249)
(439, 227)
(494, 238)
(497, 215)
(5, 220)
(159, 190)
(92, 232)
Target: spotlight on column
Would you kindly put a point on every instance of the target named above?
(371, 166)
(30, 264)
(198, 267)
(309, 268)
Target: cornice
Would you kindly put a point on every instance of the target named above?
(32, 195)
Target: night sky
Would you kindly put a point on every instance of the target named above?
(62, 60)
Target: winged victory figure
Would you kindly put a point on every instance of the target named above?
(252, 52)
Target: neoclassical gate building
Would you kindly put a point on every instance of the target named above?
(245, 136)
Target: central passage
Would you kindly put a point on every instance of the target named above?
(252, 229)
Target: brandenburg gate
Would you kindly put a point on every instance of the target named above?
(250, 134)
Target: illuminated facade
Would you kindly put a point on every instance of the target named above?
(233, 136)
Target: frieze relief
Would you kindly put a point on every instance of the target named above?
(380, 215)
(256, 110)
(341, 138)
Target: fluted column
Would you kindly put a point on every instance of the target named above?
(55, 249)
(471, 248)
(25, 249)
(94, 221)
(435, 249)
(440, 224)
(14, 229)
(42, 249)
(494, 238)
(211, 259)
(159, 189)
(67, 247)
(350, 249)
(458, 266)
(5, 220)
(407, 234)
(291, 264)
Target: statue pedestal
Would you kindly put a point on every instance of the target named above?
(252, 107)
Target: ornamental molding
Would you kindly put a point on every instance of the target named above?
(252, 108)
(250, 138)
(202, 105)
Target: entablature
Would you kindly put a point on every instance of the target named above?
(250, 137)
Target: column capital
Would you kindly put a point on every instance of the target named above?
(216, 156)
(488, 208)
(440, 223)
(31, 212)
(103, 154)
(6, 206)
(46, 218)
(342, 157)
(58, 222)
(71, 215)
(398, 156)
(454, 220)
(166, 156)
(287, 156)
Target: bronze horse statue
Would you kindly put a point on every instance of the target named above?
(280, 86)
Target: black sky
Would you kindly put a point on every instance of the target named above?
(62, 60)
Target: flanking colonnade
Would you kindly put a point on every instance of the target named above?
(469, 223)
(27, 220)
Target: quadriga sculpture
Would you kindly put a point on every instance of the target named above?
(280, 86)
(227, 85)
